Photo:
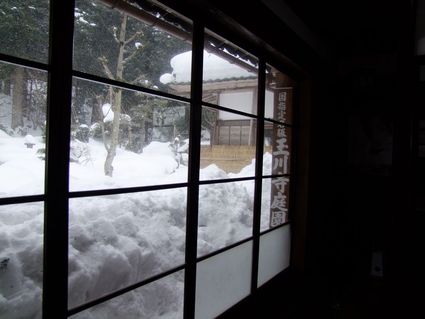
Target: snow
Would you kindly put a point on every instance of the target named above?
(166, 78)
(156, 165)
(21, 228)
(215, 68)
(107, 113)
(115, 240)
(29, 139)
(20, 166)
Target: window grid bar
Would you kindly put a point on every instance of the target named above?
(230, 110)
(277, 175)
(279, 123)
(24, 62)
(228, 180)
(126, 190)
(250, 115)
(123, 291)
(253, 116)
(193, 170)
(222, 250)
(127, 86)
(55, 263)
(22, 199)
(258, 173)
(274, 228)
(56, 198)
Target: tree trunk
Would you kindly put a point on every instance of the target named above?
(99, 118)
(114, 134)
(130, 138)
(116, 106)
(18, 97)
(142, 134)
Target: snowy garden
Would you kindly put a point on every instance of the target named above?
(119, 138)
(116, 240)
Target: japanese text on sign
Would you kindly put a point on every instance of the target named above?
(278, 206)
(280, 159)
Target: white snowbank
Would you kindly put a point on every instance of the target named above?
(21, 251)
(21, 171)
(118, 240)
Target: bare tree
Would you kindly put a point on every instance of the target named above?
(18, 97)
(124, 56)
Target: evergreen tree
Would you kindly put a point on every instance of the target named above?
(104, 45)
(110, 44)
(24, 30)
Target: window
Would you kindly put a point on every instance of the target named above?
(146, 163)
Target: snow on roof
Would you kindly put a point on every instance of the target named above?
(215, 69)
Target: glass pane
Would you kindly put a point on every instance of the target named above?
(24, 29)
(119, 240)
(23, 93)
(274, 202)
(275, 249)
(227, 145)
(279, 96)
(21, 260)
(229, 75)
(160, 299)
(139, 140)
(115, 45)
(225, 214)
(222, 281)
(277, 149)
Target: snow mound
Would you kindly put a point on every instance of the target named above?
(212, 172)
(157, 148)
(116, 240)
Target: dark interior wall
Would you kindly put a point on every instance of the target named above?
(359, 156)
(360, 187)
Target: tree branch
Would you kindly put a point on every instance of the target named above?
(133, 37)
(127, 59)
(106, 69)
(136, 80)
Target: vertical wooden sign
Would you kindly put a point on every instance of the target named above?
(280, 157)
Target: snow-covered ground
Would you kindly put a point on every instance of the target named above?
(116, 240)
